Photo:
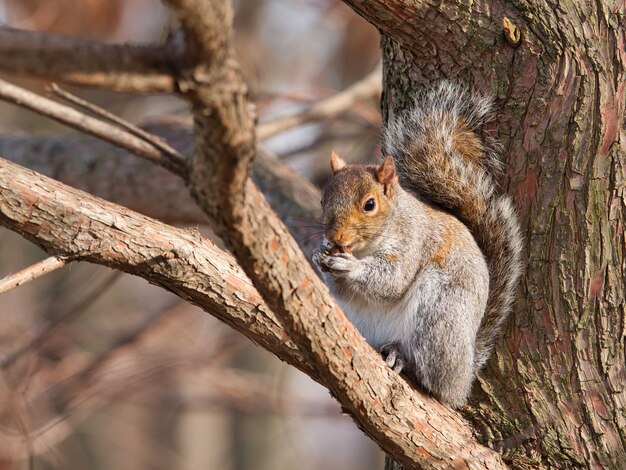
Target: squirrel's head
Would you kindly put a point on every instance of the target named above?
(357, 201)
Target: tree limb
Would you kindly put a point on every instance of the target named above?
(116, 120)
(66, 222)
(91, 165)
(89, 125)
(366, 87)
(120, 67)
(381, 402)
(151, 190)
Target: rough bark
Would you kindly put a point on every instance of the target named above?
(77, 226)
(553, 395)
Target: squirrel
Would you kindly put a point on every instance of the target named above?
(420, 251)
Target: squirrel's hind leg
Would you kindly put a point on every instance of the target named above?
(446, 369)
(442, 348)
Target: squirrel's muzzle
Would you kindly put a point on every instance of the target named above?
(341, 240)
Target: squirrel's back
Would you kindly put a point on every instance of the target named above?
(440, 157)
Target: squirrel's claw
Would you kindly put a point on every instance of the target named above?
(393, 357)
(318, 258)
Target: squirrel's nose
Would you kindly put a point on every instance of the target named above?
(338, 237)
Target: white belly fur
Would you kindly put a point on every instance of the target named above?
(381, 323)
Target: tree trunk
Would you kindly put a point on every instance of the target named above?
(553, 394)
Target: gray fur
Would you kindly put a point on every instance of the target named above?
(461, 184)
(434, 316)
(430, 313)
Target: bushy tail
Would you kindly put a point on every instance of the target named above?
(439, 156)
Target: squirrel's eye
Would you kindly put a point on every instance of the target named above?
(369, 205)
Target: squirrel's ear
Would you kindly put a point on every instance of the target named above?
(336, 162)
(386, 172)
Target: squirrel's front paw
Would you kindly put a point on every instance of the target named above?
(319, 255)
(340, 263)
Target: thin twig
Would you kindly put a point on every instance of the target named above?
(90, 125)
(31, 273)
(114, 119)
(367, 87)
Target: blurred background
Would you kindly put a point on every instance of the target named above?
(101, 370)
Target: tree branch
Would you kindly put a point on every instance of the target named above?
(89, 125)
(155, 192)
(120, 67)
(367, 87)
(66, 222)
(91, 165)
(170, 152)
(381, 402)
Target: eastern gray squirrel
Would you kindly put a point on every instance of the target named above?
(420, 251)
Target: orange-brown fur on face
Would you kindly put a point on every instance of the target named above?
(348, 226)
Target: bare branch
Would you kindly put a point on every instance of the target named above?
(90, 125)
(31, 273)
(121, 67)
(118, 121)
(404, 423)
(154, 191)
(67, 222)
(367, 87)
(77, 161)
